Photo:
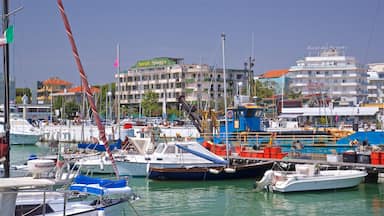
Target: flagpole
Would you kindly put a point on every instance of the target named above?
(6, 92)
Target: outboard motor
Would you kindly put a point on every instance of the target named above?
(265, 181)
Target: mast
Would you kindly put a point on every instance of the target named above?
(225, 96)
(86, 86)
(6, 91)
(118, 90)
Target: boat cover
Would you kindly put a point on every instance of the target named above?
(99, 147)
(213, 159)
(99, 186)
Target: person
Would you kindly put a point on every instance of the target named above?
(296, 148)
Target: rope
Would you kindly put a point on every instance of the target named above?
(85, 85)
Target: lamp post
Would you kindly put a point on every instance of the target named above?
(239, 85)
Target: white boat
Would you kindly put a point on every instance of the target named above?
(100, 162)
(168, 155)
(21, 131)
(31, 196)
(309, 178)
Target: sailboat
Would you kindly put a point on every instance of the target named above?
(43, 201)
(229, 170)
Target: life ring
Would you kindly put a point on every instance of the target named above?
(229, 114)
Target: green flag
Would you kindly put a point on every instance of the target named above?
(8, 34)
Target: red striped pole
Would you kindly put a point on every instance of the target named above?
(85, 85)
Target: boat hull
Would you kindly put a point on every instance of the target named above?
(24, 139)
(140, 169)
(209, 173)
(328, 180)
(132, 169)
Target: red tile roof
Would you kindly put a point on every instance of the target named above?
(77, 89)
(56, 81)
(274, 73)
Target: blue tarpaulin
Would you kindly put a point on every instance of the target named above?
(372, 137)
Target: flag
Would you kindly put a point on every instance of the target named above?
(8, 36)
(60, 161)
(116, 63)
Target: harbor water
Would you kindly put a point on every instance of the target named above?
(234, 197)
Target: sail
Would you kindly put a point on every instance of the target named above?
(85, 85)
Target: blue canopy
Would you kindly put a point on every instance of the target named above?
(100, 147)
(202, 155)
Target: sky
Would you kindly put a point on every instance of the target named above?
(276, 33)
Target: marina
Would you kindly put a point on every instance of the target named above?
(235, 196)
(165, 135)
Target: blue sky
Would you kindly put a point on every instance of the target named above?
(282, 31)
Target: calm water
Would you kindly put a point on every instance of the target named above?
(236, 197)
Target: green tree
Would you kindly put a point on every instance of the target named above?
(261, 90)
(20, 92)
(150, 103)
(70, 109)
(294, 95)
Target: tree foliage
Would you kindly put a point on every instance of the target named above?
(150, 104)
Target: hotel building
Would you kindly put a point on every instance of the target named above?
(332, 74)
(375, 83)
(170, 78)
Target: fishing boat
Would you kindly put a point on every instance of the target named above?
(309, 178)
(215, 171)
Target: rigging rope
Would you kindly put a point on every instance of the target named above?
(85, 86)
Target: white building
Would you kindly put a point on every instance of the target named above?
(375, 82)
(331, 74)
(170, 78)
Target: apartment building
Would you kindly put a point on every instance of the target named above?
(331, 73)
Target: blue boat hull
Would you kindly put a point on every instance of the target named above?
(206, 173)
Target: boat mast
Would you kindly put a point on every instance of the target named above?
(86, 86)
(118, 90)
(6, 91)
(225, 96)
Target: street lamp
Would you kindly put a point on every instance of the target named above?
(239, 84)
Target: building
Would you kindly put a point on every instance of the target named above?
(332, 74)
(12, 90)
(375, 83)
(275, 79)
(74, 94)
(47, 87)
(170, 78)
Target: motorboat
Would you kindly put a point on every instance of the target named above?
(174, 154)
(99, 162)
(212, 172)
(21, 131)
(308, 177)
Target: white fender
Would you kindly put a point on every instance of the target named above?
(214, 171)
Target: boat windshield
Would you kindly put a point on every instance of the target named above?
(160, 148)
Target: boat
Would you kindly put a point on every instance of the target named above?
(33, 196)
(21, 131)
(99, 162)
(240, 171)
(215, 170)
(308, 177)
(175, 154)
